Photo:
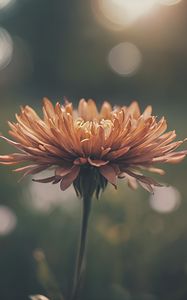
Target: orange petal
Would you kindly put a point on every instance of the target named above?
(147, 112)
(48, 108)
(45, 180)
(12, 143)
(80, 161)
(117, 153)
(134, 109)
(14, 157)
(82, 109)
(32, 169)
(175, 160)
(97, 162)
(92, 112)
(132, 183)
(109, 173)
(106, 110)
(62, 171)
(156, 170)
(69, 178)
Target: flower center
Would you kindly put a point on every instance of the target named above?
(90, 127)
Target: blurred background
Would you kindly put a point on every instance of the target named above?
(119, 50)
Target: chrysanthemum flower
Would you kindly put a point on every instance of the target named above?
(87, 145)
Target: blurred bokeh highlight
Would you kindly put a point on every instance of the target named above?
(117, 50)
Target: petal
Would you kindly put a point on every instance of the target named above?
(106, 110)
(57, 179)
(117, 153)
(30, 170)
(45, 180)
(63, 171)
(80, 161)
(109, 173)
(26, 168)
(174, 157)
(132, 183)
(156, 170)
(92, 112)
(104, 151)
(13, 159)
(12, 143)
(175, 160)
(147, 112)
(49, 108)
(97, 162)
(82, 109)
(134, 109)
(69, 178)
(146, 186)
(143, 179)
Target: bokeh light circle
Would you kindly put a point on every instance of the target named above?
(165, 199)
(8, 220)
(125, 59)
(121, 13)
(6, 48)
(47, 199)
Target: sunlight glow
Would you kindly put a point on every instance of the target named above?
(123, 12)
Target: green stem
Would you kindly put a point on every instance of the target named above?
(82, 246)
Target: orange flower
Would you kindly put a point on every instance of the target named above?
(89, 145)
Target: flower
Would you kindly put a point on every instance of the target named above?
(90, 148)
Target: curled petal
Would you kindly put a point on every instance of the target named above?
(143, 179)
(62, 171)
(97, 162)
(109, 173)
(31, 170)
(132, 183)
(45, 180)
(148, 187)
(69, 178)
(80, 161)
(12, 143)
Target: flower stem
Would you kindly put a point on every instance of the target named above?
(86, 203)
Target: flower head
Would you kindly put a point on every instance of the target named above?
(88, 147)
